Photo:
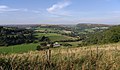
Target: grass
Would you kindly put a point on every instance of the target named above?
(54, 36)
(46, 29)
(82, 58)
(38, 28)
(19, 48)
(75, 44)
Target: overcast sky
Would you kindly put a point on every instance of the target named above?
(59, 11)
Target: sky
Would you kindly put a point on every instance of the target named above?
(59, 11)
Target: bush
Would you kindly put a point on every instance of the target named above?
(38, 48)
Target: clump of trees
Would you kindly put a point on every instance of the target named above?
(44, 39)
(13, 36)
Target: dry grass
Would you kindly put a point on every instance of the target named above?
(106, 57)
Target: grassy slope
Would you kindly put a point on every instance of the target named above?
(19, 48)
(54, 36)
(32, 47)
(74, 44)
(83, 58)
(43, 29)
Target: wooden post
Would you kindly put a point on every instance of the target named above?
(97, 52)
(49, 54)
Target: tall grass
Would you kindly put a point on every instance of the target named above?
(63, 59)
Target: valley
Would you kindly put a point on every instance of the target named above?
(60, 47)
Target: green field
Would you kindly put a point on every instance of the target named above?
(27, 47)
(46, 29)
(49, 29)
(19, 48)
(54, 36)
(74, 44)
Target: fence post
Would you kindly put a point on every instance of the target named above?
(97, 52)
(49, 54)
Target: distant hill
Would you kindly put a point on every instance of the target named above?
(21, 26)
(89, 25)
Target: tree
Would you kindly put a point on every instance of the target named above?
(45, 39)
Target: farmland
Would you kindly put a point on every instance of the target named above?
(32, 46)
(76, 51)
(53, 32)
(59, 35)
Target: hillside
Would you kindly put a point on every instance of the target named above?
(106, 57)
(65, 57)
(111, 35)
(89, 25)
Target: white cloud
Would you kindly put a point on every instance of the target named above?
(55, 9)
(4, 8)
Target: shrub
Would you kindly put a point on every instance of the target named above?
(38, 48)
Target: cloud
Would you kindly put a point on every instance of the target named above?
(4, 8)
(58, 6)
